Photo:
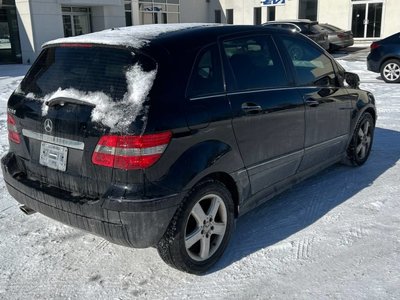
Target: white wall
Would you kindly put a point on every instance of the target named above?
(288, 11)
(391, 17)
(107, 17)
(338, 15)
(194, 11)
(25, 30)
(243, 10)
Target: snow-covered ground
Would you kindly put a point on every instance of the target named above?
(336, 235)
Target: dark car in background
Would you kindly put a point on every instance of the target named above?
(384, 58)
(129, 135)
(338, 38)
(306, 27)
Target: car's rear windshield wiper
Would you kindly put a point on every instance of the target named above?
(63, 100)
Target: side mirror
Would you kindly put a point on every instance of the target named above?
(352, 79)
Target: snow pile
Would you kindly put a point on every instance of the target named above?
(120, 114)
(133, 36)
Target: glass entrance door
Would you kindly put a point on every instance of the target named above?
(374, 20)
(367, 20)
(76, 20)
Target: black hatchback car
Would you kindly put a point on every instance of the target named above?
(130, 135)
(384, 58)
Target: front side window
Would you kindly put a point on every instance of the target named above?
(255, 63)
(312, 66)
(206, 76)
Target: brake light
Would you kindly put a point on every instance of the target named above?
(13, 134)
(341, 35)
(76, 45)
(130, 152)
(374, 45)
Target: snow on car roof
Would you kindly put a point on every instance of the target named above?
(132, 36)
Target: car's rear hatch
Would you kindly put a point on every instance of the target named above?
(69, 99)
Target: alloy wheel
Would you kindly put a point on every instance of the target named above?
(391, 72)
(364, 140)
(205, 227)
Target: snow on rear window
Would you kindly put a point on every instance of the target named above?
(116, 115)
(116, 81)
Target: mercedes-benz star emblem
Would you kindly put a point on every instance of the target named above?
(48, 125)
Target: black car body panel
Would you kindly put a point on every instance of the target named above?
(382, 51)
(258, 137)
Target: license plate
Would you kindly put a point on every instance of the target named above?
(53, 156)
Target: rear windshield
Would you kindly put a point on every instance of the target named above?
(86, 68)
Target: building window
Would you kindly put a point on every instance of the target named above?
(128, 13)
(271, 13)
(257, 16)
(229, 16)
(217, 14)
(76, 20)
(159, 11)
(10, 48)
(308, 9)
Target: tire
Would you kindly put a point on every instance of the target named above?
(198, 234)
(361, 141)
(390, 71)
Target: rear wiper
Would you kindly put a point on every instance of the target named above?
(63, 100)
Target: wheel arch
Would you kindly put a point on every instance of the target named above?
(387, 59)
(372, 112)
(229, 183)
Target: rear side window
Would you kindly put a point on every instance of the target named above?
(255, 63)
(312, 66)
(87, 69)
(206, 78)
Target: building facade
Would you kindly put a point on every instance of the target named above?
(26, 24)
(368, 19)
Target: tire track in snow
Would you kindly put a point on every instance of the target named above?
(303, 248)
(356, 232)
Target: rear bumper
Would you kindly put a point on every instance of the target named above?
(133, 223)
(373, 65)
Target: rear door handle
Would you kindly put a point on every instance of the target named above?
(251, 108)
(311, 102)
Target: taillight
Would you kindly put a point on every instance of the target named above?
(76, 45)
(374, 45)
(341, 35)
(130, 152)
(12, 129)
